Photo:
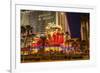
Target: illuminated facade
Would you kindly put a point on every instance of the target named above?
(41, 19)
(49, 35)
(61, 20)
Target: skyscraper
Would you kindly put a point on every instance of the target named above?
(85, 27)
(62, 20)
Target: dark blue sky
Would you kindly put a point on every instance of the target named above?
(75, 23)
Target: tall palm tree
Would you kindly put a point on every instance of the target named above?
(23, 31)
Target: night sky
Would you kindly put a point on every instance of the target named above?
(75, 23)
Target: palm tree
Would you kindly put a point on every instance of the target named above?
(67, 39)
(23, 31)
(29, 29)
(28, 40)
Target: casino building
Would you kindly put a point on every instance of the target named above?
(49, 32)
(73, 25)
(39, 20)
